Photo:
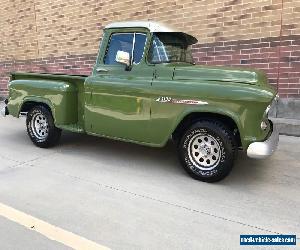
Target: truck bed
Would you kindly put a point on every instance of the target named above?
(49, 76)
(63, 93)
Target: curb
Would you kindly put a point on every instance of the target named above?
(286, 115)
(286, 126)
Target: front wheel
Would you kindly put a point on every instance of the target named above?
(41, 128)
(207, 151)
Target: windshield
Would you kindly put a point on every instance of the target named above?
(170, 47)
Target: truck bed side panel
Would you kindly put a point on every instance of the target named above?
(60, 96)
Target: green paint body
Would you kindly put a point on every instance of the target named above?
(123, 105)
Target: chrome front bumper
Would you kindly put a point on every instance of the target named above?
(261, 150)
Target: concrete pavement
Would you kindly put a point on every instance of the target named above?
(14, 236)
(126, 196)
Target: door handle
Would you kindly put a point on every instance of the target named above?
(103, 70)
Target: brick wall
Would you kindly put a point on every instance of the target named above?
(260, 53)
(63, 35)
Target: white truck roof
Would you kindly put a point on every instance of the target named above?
(151, 26)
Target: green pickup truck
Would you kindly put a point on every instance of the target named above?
(145, 88)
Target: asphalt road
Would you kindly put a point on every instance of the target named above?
(125, 196)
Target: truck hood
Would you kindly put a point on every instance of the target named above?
(220, 74)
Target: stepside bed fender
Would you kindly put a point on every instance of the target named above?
(60, 97)
(30, 101)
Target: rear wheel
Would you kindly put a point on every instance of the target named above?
(41, 128)
(207, 151)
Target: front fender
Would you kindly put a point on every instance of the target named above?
(201, 110)
(244, 115)
(208, 109)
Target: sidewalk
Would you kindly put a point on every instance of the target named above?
(287, 116)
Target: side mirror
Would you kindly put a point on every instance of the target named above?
(123, 58)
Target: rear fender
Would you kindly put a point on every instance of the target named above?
(60, 97)
(34, 101)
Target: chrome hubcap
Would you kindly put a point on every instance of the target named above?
(204, 152)
(40, 126)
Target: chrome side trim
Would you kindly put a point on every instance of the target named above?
(166, 99)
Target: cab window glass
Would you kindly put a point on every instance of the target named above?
(124, 42)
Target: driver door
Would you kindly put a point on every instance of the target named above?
(117, 100)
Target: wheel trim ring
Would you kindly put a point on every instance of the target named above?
(40, 126)
(196, 159)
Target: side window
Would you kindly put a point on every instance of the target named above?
(124, 42)
(158, 52)
(170, 47)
